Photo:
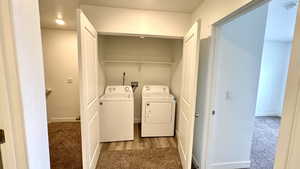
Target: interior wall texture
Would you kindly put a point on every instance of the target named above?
(273, 77)
(148, 61)
(133, 21)
(61, 74)
(210, 11)
(239, 52)
(176, 76)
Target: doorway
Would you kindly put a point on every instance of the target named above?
(272, 82)
(62, 97)
(238, 138)
(41, 99)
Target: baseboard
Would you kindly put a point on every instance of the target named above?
(276, 114)
(231, 165)
(62, 119)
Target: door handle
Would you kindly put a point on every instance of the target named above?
(197, 114)
(213, 112)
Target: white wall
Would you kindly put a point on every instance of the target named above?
(210, 11)
(239, 51)
(132, 21)
(61, 65)
(281, 21)
(273, 76)
(134, 49)
(28, 45)
(101, 72)
(176, 75)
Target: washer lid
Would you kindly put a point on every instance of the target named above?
(156, 91)
(121, 92)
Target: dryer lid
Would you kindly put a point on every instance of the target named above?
(156, 91)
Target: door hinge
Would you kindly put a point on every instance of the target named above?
(2, 136)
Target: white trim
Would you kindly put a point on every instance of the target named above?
(233, 165)
(137, 62)
(139, 35)
(16, 128)
(241, 11)
(62, 119)
(290, 112)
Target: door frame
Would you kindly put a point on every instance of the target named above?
(15, 133)
(287, 123)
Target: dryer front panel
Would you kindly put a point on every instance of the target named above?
(158, 112)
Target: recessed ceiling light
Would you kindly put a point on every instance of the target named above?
(59, 21)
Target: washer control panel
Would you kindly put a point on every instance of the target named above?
(118, 90)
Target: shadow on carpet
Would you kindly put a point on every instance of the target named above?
(165, 158)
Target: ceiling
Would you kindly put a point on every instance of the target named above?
(49, 9)
(162, 5)
(281, 20)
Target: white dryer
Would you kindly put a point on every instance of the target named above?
(117, 114)
(158, 111)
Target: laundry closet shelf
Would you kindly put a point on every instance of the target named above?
(137, 62)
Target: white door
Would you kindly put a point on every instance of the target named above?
(238, 53)
(89, 107)
(186, 117)
(7, 151)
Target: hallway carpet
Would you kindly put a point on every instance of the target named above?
(65, 145)
(264, 142)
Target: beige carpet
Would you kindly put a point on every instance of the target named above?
(164, 158)
(65, 145)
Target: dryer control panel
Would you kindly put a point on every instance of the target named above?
(156, 90)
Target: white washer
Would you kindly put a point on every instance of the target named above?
(117, 114)
(158, 111)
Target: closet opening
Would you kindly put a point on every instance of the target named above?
(151, 66)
